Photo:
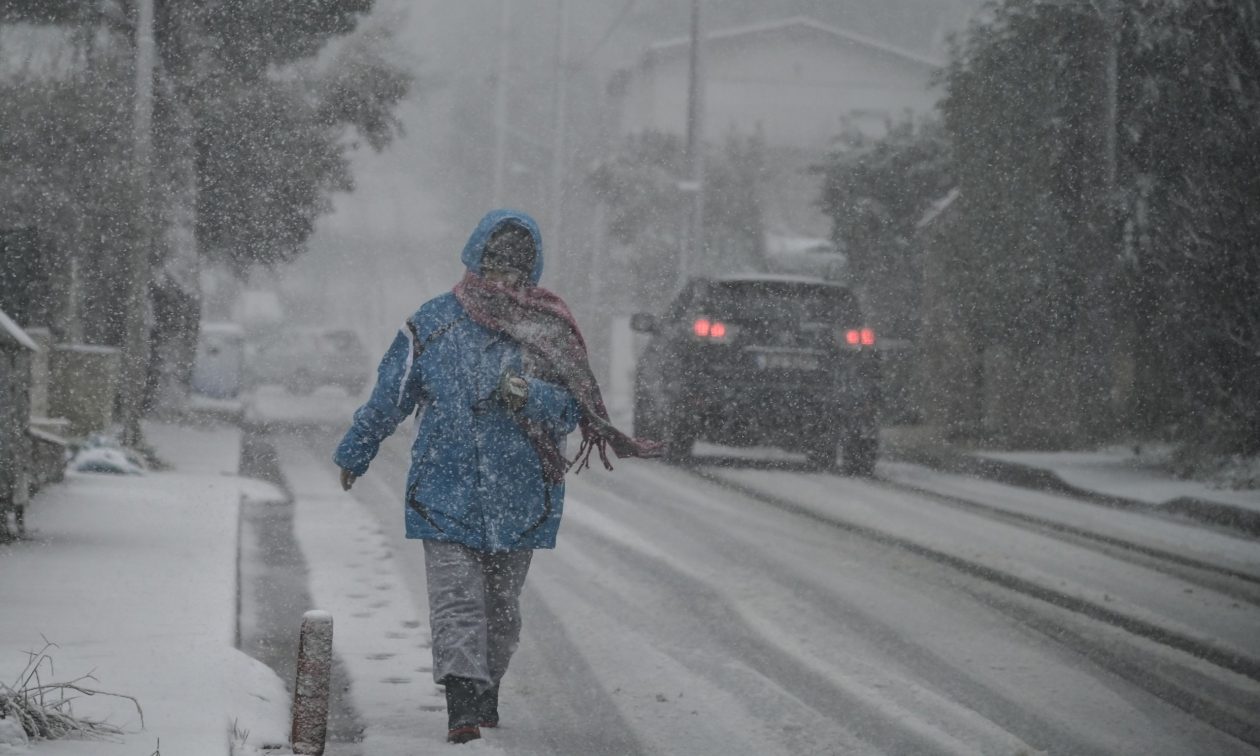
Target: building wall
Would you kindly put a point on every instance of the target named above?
(796, 85)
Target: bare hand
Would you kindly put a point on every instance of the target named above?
(347, 479)
(513, 391)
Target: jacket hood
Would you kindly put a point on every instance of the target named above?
(494, 220)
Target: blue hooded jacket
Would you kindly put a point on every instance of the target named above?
(475, 479)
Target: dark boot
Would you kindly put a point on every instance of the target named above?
(488, 707)
(461, 710)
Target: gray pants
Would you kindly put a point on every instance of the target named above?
(474, 610)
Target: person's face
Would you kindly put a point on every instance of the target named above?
(509, 257)
(505, 276)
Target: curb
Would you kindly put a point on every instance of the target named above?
(945, 458)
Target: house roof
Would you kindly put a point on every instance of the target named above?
(12, 336)
(795, 22)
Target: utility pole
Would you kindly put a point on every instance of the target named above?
(692, 250)
(500, 104)
(136, 348)
(559, 129)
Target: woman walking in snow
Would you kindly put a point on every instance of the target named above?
(498, 373)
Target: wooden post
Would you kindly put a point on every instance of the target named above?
(310, 691)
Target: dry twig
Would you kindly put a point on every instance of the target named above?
(44, 710)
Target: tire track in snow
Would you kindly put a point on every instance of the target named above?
(1046, 708)
(1230, 659)
(893, 713)
(1035, 618)
(1212, 575)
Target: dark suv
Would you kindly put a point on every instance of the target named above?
(761, 360)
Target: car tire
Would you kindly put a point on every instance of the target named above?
(859, 456)
(646, 424)
(678, 439)
(678, 447)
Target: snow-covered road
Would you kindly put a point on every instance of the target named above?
(741, 610)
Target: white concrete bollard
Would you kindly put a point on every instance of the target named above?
(310, 692)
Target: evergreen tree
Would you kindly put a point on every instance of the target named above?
(875, 191)
(1192, 131)
(1163, 265)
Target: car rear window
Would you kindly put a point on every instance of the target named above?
(771, 301)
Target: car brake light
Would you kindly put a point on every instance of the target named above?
(709, 329)
(860, 337)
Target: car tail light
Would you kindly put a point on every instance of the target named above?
(706, 328)
(860, 337)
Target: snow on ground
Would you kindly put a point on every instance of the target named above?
(379, 633)
(1122, 473)
(134, 578)
(879, 636)
(327, 405)
(375, 592)
(1008, 549)
(862, 683)
(1234, 551)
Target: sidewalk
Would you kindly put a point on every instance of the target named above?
(133, 577)
(1114, 477)
(361, 574)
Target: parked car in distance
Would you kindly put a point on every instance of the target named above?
(761, 360)
(302, 359)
